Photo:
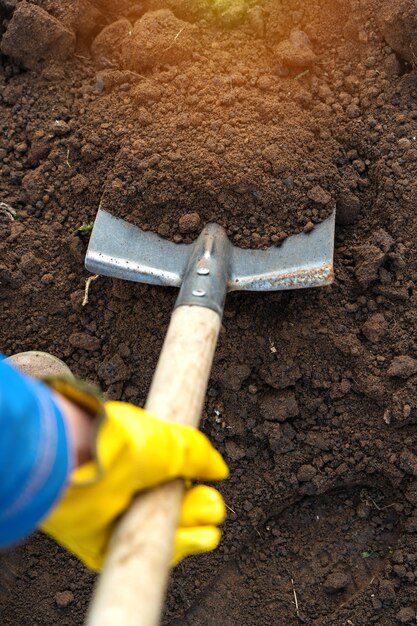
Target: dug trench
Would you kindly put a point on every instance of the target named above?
(263, 116)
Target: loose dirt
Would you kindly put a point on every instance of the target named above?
(262, 116)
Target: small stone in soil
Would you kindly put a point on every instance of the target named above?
(47, 279)
(59, 128)
(7, 212)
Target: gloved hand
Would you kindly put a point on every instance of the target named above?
(135, 451)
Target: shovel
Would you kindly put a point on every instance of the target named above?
(132, 585)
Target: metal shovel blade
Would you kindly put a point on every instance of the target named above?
(122, 250)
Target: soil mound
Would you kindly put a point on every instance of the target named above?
(262, 116)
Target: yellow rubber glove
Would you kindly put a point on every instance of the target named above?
(136, 451)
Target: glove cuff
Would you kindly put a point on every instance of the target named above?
(85, 395)
(89, 398)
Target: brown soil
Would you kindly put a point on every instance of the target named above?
(313, 396)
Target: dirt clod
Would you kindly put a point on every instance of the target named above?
(234, 376)
(306, 473)
(103, 48)
(348, 208)
(403, 367)
(295, 52)
(234, 451)
(375, 327)
(319, 196)
(34, 38)
(337, 581)
(408, 462)
(279, 406)
(64, 598)
(190, 223)
(84, 341)
(158, 38)
(406, 615)
(369, 259)
(398, 22)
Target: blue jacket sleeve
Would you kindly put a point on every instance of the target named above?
(34, 453)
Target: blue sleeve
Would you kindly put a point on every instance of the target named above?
(34, 453)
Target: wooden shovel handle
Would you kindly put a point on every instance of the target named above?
(132, 585)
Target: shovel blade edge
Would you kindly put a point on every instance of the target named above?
(300, 262)
(121, 250)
